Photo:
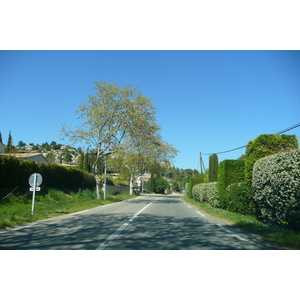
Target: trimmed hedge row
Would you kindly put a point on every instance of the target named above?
(15, 172)
(207, 192)
(230, 171)
(276, 181)
(240, 198)
(192, 182)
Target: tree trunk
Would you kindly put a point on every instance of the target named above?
(98, 186)
(131, 185)
(97, 178)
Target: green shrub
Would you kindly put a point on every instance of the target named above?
(264, 145)
(169, 191)
(230, 171)
(193, 181)
(158, 184)
(207, 192)
(87, 194)
(276, 182)
(198, 193)
(240, 198)
(161, 185)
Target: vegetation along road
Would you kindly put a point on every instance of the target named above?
(149, 222)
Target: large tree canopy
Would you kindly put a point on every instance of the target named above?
(113, 117)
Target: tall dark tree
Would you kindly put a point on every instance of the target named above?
(1, 137)
(9, 146)
(213, 168)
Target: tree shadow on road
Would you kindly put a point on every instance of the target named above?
(145, 232)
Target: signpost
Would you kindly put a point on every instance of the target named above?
(35, 181)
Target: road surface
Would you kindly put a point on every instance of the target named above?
(149, 222)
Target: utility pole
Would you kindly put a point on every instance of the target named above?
(200, 163)
(202, 168)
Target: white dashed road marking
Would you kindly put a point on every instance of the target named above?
(119, 230)
(200, 213)
(232, 233)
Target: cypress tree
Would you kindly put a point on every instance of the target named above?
(213, 168)
(9, 146)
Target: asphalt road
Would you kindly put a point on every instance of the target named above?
(150, 222)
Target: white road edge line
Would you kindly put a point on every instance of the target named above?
(17, 228)
(200, 213)
(232, 233)
(119, 230)
(79, 212)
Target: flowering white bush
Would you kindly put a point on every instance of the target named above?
(276, 182)
(207, 192)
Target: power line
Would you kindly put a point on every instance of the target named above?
(287, 129)
(279, 132)
(225, 151)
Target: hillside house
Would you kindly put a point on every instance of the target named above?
(2, 146)
(37, 157)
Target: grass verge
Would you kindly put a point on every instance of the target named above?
(284, 238)
(17, 210)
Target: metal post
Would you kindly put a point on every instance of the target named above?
(104, 190)
(143, 184)
(201, 167)
(33, 194)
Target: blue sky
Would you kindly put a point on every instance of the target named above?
(207, 101)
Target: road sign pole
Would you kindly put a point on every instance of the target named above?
(104, 186)
(33, 194)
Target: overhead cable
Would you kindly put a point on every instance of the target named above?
(225, 151)
(279, 132)
(289, 128)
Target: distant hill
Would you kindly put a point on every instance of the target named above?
(54, 153)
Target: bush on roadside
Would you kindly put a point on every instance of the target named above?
(267, 144)
(240, 198)
(276, 182)
(230, 171)
(207, 192)
(192, 182)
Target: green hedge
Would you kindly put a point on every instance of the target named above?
(207, 192)
(267, 144)
(240, 198)
(229, 171)
(15, 172)
(276, 182)
(192, 181)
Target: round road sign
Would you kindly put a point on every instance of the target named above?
(39, 179)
